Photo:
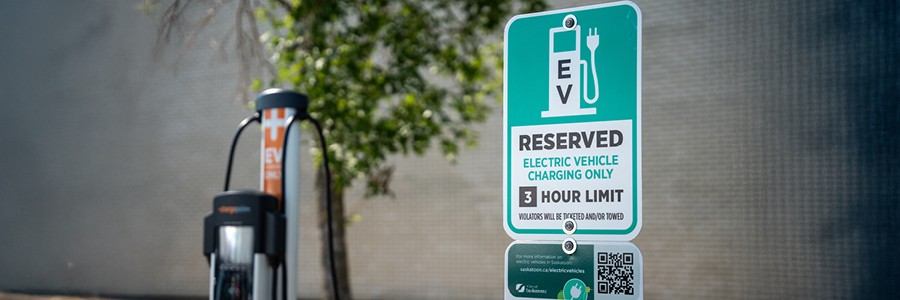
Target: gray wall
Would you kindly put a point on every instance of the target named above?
(771, 161)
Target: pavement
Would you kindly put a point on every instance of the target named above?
(49, 296)
(14, 296)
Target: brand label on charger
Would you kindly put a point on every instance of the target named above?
(572, 123)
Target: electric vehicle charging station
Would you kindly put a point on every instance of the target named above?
(251, 237)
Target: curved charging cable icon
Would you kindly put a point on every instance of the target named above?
(593, 40)
(565, 87)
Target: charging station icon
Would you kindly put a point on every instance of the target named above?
(568, 71)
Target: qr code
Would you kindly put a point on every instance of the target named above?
(615, 273)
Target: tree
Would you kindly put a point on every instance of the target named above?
(383, 77)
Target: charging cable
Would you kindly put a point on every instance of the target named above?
(593, 40)
(237, 134)
(290, 122)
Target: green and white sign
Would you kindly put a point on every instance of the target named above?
(597, 270)
(572, 123)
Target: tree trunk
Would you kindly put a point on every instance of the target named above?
(340, 245)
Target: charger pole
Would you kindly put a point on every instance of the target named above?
(276, 106)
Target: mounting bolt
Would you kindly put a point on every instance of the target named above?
(569, 226)
(569, 246)
(569, 22)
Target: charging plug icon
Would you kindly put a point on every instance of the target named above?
(593, 41)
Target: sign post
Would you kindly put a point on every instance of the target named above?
(572, 124)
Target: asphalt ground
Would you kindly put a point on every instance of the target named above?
(14, 296)
(50, 296)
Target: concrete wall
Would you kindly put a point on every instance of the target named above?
(771, 161)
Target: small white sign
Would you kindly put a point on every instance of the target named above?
(578, 171)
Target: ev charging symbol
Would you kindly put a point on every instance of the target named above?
(566, 70)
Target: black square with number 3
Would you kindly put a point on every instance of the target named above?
(527, 196)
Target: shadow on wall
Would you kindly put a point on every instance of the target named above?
(874, 105)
